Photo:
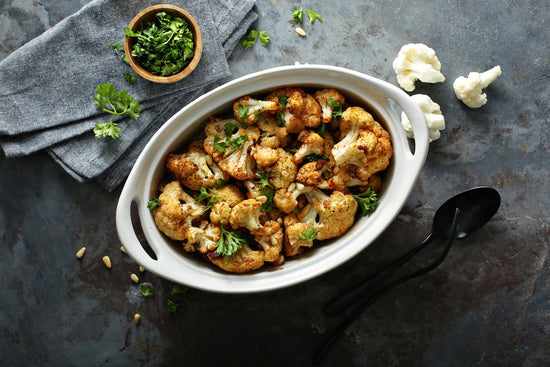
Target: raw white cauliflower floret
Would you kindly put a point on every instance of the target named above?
(469, 90)
(432, 113)
(416, 61)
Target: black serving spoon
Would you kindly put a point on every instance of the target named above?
(477, 206)
(458, 217)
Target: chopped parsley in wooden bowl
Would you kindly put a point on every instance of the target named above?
(163, 43)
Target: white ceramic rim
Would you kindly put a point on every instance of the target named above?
(188, 269)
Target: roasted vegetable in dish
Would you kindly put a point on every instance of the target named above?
(288, 170)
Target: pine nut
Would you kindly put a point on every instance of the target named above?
(134, 278)
(81, 252)
(137, 318)
(107, 261)
(300, 31)
(122, 249)
(141, 269)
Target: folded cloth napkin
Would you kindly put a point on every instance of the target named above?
(47, 86)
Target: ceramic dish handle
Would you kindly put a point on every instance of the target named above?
(391, 93)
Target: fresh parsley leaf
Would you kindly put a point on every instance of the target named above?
(165, 46)
(264, 38)
(315, 157)
(326, 174)
(220, 146)
(251, 38)
(220, 183)
(146, 291)
(243, 111)
(229, 127)
(103, 129)
(323, 129)
(110, 100)
(267, 190)
(336, 107)
(209, 195)
(297, 15)
(367, 200)
(238, 142)
(119, 50)
(130, 78)
(229, 243)
(179, 290)
(172, 307)
(308, 235)
(263, 180)
(282, 100)
(280, 119)
(153, 203)
(313, 16)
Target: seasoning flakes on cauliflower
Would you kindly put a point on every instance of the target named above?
(281, 174)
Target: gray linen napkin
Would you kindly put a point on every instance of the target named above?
(47, 86)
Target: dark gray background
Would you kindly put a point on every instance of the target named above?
(487, 305)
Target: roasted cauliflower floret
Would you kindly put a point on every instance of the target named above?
(248, 214)
(297, 109)
(329, 98)
(265, 156)
(195, 168)
(286, 200)
(247, 109)
(283, 172)
(273, 136)
(202, 238)
(176, 211)
(331, 216)
(311, 143)
(272, 246)
(244, 260)
(294, 242)
(364, 142)
(226, 198)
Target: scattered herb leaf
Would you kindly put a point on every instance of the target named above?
(130, 78)
(251, 38)
(315, 157)
(308, 235)
(110, 100)
(220, 146)
(313, 16)
(172, 307)
(146, 291)
(367, 200)
(323, 129)
(264, 38)
(229, 243)
(280, 119)
(209, 195)
(153, 203)
(282, 100)
(326, 174)
(297, 15)
(336, 107)
(243, 111)
(229, 127)
(179, 290)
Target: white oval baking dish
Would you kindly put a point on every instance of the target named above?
(171, 262)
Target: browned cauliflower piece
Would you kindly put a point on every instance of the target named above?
(294, 244)
(264, 156)
(326, 99)
(330, 215)
(248, 214)
(273, 136)
(195, 168)
(286, 200)
(272, 246)
(244, 260)
(283, 172)
(364, 143)
(247, 109)
(311, 143)
(176, 216)
(226, 198)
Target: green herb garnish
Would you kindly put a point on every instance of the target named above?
(323, 129)
(336, 107)
(238, 142)
(308, 235)
(251, 38)
(229, 127)
(315, 157)
(172, 307)
(297, 15)
(326, 174)
(146, 291)
(280, 119)
(165, 46)
(264, 38)
(153, 203)
(130, 78)
(282, 100)
(243, 111)
(313, 16)
(119, 50)
(110, 100)
(221, 146)
(209, 195)
(367, 200)
(266, 189)
(229, 243)
(179, 290)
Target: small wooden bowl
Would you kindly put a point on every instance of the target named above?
(148, 15)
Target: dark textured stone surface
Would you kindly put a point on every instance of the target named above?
(488, 304)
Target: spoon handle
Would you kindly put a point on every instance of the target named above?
(343, 301)
(369, 301)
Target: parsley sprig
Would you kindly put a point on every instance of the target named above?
(367, 200)
(308, 235)
(209, 195)
(267, 190)
(252, 36)
(110, 100)
(229, 242)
